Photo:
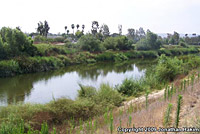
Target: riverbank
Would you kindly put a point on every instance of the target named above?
(52, 58)
(90, 103)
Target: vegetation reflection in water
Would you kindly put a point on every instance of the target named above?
(43, 87)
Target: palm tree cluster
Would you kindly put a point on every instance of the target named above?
(43, 29)
(73, 26)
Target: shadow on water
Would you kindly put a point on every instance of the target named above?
(21, 87)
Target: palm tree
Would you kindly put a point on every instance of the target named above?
(73, 27)
(65, 28)
(77, 26)
(83, 26)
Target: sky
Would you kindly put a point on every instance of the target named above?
(160, 16)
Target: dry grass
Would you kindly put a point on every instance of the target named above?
(154, 115)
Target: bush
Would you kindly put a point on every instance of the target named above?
(167, 68)
(86, 92)
(8, 68)
(89, 43)
(131, 87)
(117, 43)
(149, 43)
(16, 43)
(183, 44)
(59, 39)
(142, 45)
(108, 97)
(105, 96)
(110, 43)
(120, 57)
(107, 55)
(40, 38)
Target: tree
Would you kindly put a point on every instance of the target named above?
(65, 28)
(67, 32)
(78, 34)
(141, 33)
(40, 28)
(77, 26)
(131, 34)
(46, 28)
(176, 37)
(120, 29)
(73, 27)
(18, 28)
(16, 42)
(90, 43)
(43, 29)
(150, 42)
(95, 27)
(171, 41)
(105, 30)
(83, 27)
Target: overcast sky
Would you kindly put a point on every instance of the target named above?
(160, 16)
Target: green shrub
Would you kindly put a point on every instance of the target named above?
(9, 68)
(120, 57)
(65, 60)
(59, 39)
(107, 55)
(16, 43)
(105, 96)
(110, 43)
(183, 44)
(142, 45)
(167, 68)
(108, 96)
(131, 87)
(40, 38)
(88, 42)
(86, 92)
(149, 43)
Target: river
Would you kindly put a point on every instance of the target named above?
(44, 86)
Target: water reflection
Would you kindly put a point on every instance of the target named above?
(42, 87)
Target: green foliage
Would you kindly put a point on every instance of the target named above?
(86, 92)
(13, 43)
(179, 103)
(183, 44)
(117, 43)
(79, 34)
(148, 43)
(108, 96)
(9, 68)
(107, 55)
(167, 117)
(167, 68)
(44, 129)
(120, 57)
(131, 87)
(88, 42)
(110, 43)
